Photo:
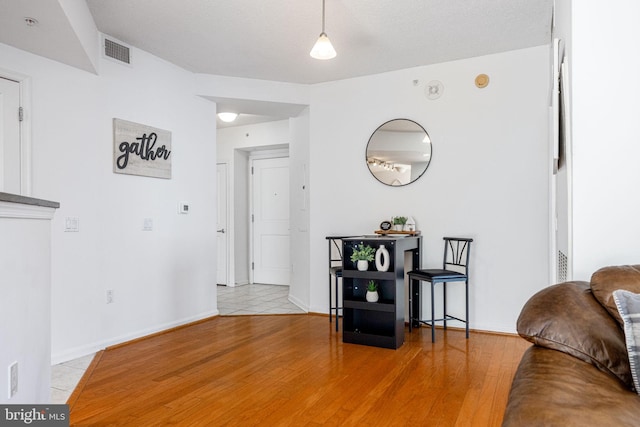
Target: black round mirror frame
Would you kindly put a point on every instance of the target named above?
(398, 152)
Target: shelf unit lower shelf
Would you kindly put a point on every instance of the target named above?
(374, 340)
(372, 306)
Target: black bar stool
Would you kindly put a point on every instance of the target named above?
(456, 257)
(335, 271)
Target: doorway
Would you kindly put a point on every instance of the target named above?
(269, 195)
(10, 144)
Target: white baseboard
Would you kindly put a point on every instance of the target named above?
(84, 350)
(299, 303)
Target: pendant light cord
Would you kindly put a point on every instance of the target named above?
(322, 16)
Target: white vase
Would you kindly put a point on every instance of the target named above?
(372, 296)
(363, 265)
(382, 259)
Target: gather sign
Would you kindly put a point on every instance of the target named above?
(141, 150)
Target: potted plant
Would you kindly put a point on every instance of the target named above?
(399, 222)
(362, 255)
(372, 291)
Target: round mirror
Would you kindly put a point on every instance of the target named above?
(398, 152)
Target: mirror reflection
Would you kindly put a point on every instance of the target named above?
(398, 152)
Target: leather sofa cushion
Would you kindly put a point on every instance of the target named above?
(551, 388)
(566, 317)
(609, 279)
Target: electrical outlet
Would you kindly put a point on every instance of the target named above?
(13, 379)
(109, 296)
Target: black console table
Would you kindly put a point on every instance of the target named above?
(381, 323)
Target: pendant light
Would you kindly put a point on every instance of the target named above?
(323, 49)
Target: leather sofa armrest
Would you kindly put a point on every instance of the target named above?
(566, 317)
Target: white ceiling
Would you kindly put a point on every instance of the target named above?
(271, 39)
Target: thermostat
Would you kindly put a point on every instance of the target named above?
(183, 207)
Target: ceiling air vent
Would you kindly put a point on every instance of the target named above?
(117, 51)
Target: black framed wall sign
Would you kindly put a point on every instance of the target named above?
(141, 150)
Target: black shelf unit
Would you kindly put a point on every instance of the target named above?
(379, 324)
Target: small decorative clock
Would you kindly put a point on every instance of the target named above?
(385, 226)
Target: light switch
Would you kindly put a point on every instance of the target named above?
(71, 224)
(147, 225)
(183, 207)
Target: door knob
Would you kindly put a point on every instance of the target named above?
(221, 230)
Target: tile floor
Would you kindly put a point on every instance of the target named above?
(232, 301)
(65, 377)
(255, 299)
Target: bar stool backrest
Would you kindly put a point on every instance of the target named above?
(456, 254)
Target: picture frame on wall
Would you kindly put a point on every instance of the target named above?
(141, 150)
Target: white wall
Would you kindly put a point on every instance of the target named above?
(25, 306)
(488, 178)
(160, 278)
(562, 180)
(490, 163)
(299, 290)
(606, 142)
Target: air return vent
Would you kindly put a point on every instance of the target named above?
(562, 267)
(117, 51)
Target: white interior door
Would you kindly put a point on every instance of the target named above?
(270, 203)
(221, 224)
(10, 159)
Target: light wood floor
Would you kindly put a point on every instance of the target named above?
(295, 370)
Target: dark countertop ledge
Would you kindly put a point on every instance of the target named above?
(15, 198)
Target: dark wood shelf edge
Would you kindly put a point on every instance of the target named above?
(388, 307)
(376, 275)
(373, 340)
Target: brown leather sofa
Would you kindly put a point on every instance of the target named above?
(577, 372)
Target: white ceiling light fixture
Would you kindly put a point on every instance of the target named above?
(323, 49)
(227, 117)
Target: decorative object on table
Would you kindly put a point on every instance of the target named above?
(399, 222)
(362, 255)
(385, 225)
(372, 291)
(410, 225)
(382, 259)
(395, 233)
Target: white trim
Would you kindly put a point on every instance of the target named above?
(297, 302)
(84, 350)
(25, 138)
(25, 128)
(228, 214)
(568, 151)
(19, 210)
(268, 154)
